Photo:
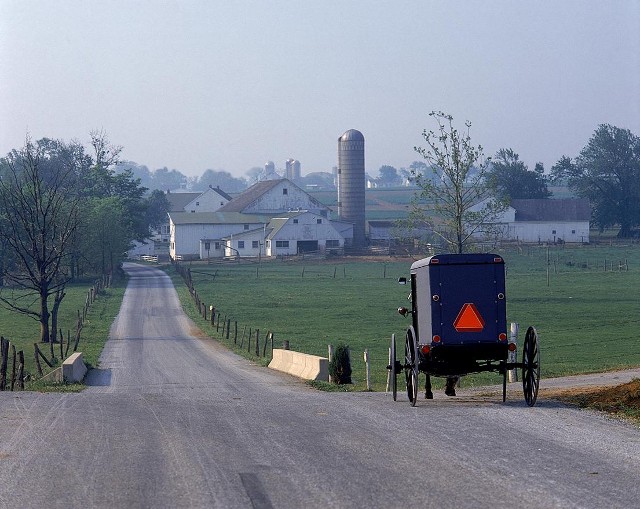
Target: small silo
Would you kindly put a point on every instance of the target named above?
(351, 183)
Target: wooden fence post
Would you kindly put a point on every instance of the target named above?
(235, 332)
(368, 368)
(249, 341)
(257, 342)
(21, 368)
(330, 353)
(13, 366)
(36, 352)
(4, 348)
(228, 327)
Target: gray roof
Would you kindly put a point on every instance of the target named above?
(246, 198)
(178, 201)
(569, 209)
(216, 218)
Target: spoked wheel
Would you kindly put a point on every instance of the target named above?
(393, 368)
(411, 366)
(531, 367)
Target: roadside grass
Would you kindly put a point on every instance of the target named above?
(587, 317)
(23, 331)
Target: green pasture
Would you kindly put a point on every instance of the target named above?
(23, 331)
(584, 302)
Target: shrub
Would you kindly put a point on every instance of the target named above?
(340, 365)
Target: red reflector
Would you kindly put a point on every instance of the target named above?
(436, 339)
(512, 347)
(502, 336)
(434, 261)
(497, 259)
(426, 349)
(469, 319)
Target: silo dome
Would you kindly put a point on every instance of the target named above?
(352, 135)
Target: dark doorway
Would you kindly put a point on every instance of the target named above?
(307, 246)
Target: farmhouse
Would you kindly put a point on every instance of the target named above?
(203, 235)
(565, 220)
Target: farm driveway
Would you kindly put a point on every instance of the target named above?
(171, 420)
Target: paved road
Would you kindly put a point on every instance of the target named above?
(172, 420)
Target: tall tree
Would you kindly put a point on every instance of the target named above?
(607, 172)
(455, 201)
(39, 204)
(511, 178)
(389, 176)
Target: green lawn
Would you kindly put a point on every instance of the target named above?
(587, 318)
(23, 331)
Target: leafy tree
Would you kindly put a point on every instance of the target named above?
(388, 176)
(511, 178)
(156, 207)
(222, 179)
(166, 180)
(456, 201)
(607, 172)
(39, 205)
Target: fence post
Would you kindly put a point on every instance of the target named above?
(249, 341)
(330, 347)
(13, 366)
(368, 367)
(235, 332)
(213, 315)
(228, 327)
(257, 342)
(21, 368)
(36, 352)
(512, 357)
(4, 347)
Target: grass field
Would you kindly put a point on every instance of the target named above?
(23, 331)
(587, 315)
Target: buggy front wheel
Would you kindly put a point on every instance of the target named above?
(531, 366)
(411, 366)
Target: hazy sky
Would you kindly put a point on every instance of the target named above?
(230, 84)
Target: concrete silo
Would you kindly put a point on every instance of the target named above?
(351, 183)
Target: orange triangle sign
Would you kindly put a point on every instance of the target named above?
(469, 319)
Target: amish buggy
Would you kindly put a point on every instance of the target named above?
(459, 326)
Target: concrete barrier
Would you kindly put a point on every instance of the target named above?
(309, 367)
(73, 369)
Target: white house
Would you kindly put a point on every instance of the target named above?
(190, 232)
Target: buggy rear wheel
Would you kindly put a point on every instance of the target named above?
(411, 366)
(393, 367)
(531, 366)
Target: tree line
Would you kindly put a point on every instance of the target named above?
(65, 214)
(462, 193)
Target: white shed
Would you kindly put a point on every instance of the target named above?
(302, 232)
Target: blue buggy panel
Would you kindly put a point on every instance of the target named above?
(459, 300)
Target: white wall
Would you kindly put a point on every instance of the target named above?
(569, 231)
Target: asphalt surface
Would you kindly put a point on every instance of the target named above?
(173, 420)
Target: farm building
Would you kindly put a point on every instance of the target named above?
(565, 220)
(275, 197)
(302, 232)
(191, 231)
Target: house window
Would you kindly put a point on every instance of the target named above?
(333, 243)
(197, 204)
(255, 244)
(282, 243)
(241, 244)
(319, 221)
(193, 211)
(285, 191)
(553, 232)
(268, 244)
(573, 232)
(217, 245)
(246, 226)
(207, 245)
(295, 221)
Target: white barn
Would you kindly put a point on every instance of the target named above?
(550, 220)
(190, 232)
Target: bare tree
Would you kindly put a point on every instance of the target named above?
(455, 200)
(39, 204)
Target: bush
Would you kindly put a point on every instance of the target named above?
(340, 366)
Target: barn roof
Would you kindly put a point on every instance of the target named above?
(178, 201)
(569, 209)
(216, 218)
(246, 198)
